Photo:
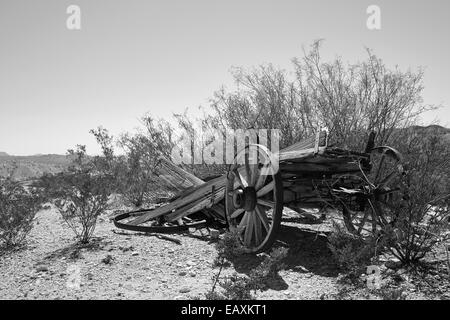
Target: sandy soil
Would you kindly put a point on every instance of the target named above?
(136, 266)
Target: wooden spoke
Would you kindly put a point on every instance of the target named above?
(363, 221)
(266, 203)
(258, 229)
(239, 177)
(266, 189)
(261, 180)
(255, 174)
(244, 221)
(380, 165)
(388, 178)
(249, 229)
(236, 214)
(248, 174)
(262, 218)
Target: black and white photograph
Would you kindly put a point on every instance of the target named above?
(220, 156)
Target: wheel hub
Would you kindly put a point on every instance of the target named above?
(245, 198)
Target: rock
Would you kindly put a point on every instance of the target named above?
(393, 264)
(303, 269)
(185, 290)
(125, 249)
(42, 268)
(182, 273)
(214, 234)
(108, 259)
(108, 248)
(135, 253)
(192, 274)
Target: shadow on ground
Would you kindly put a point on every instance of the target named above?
(73, 251)
(308, 253)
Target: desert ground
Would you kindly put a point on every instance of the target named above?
(119, 264)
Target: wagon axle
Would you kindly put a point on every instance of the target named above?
(245, 198)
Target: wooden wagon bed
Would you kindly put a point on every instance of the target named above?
(251, 197)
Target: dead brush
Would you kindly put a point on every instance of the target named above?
(243, 287)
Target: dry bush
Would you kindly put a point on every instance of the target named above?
(134, 169)
(352, 254)
(18, 206)
(81, 194)
(351, 100)
(422, 214)
(243, 287)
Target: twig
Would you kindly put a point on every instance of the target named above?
(160, 236)
(447, 248)
(218, 275)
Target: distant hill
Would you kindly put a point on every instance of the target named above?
(29, 167)
(437, 130)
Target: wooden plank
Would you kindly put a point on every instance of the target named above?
(197, 193)
(299, 154)
(197, 206)
(174, 176)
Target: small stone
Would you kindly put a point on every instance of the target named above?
(184, 290)
(214, 234)
(192, 274)
(42, 268)
(108, 259)
(135, 253)
(303, 269)
(182, 273)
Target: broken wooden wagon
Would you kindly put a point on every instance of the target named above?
(250, 197)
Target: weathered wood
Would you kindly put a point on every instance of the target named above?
(201, 204)
(300, 154)
(307, 143)
(174, 176)
(201, 191)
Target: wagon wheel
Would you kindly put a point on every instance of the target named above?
(254, 197)
(381, 194)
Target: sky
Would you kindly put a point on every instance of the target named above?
(131, 57)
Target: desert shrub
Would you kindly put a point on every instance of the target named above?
(349, 99)
(81, 194)
(390, 293)
(18, 206)
(242, 287)
(135, 169)
(422, 215)
(237, 287)
(352, 253)
(229, 247)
